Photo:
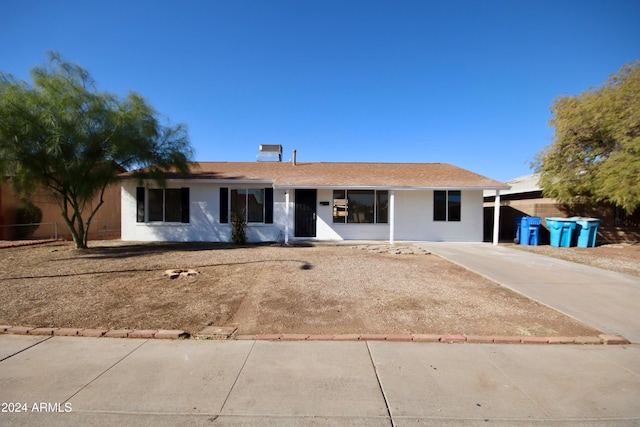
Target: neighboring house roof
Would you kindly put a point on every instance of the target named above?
(520, 185)
(331, 175)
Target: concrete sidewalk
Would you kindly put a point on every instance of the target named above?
(111, 381)
(606, 300)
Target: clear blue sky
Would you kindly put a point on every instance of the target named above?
(463, 82)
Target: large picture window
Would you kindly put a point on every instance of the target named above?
(360, 207)
(256, 203)
(163, 205)
(447, 205)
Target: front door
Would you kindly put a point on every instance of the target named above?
(305, 213)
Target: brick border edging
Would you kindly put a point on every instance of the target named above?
(113, 333)
(229, 334)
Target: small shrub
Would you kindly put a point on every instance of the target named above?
(28, 213)
(239, 227)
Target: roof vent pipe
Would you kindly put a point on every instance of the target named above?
(293, 158)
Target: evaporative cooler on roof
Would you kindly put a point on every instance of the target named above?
(270, 153)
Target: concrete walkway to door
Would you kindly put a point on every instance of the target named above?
(606, 300)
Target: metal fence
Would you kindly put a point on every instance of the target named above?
(101, 230)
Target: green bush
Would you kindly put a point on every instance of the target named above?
(28, 213)
(239, 227)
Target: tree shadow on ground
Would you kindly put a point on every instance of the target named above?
(304, 265)
(118, 251)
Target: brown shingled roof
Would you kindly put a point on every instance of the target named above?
(320, 174)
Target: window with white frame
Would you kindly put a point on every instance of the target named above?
(162, 205)
(256, 203)
(447, 205)
(360, 206)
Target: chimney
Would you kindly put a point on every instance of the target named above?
(293, 159)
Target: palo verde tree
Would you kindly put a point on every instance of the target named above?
(61, 134)
(595, 155)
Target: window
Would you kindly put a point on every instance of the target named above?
(360, 206)
(165, 205)
(447, 205)
(439, 205)
(156, 205)
(256, 203)
(224, 206)
(162, 205)
(249, 201)
(339, 206)
(454, 204)
(140, 193)
(382, 207)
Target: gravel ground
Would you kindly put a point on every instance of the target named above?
(313, 289)
(620, 257)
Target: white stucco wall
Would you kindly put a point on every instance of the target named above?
(204, 225)
(413, 219)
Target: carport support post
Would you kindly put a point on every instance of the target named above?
(392, 215)
(286, 216)
(496, 218)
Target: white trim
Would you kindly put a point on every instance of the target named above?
(241, 182)
(286, 221)
(392, 216)
(267, 182)
(381, 187)
(496, 218)
(213, 181)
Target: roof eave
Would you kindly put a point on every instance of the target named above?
(391, 187)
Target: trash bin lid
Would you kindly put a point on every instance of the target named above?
(534, 220)
(588, 221)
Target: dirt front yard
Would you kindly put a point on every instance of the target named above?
(315, 289)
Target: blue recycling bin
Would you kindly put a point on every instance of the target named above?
(529, 230)
(518, 221)
(586, 230)
(561, 231)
